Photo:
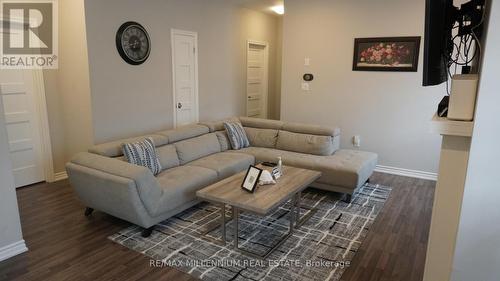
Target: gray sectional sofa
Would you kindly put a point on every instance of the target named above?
(196, 156)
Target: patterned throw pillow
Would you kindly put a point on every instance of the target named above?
(143, 153)
(236, 134)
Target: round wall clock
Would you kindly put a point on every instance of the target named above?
(133, 43)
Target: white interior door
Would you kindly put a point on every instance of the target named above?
(185, 76)
(257, 63)
(23, 126)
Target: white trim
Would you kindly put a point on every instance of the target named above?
(266, 75)
(13, 249)
(41, 108)
(60, 176)
(173, 32)
(406, 172)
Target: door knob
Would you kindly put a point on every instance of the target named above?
(179, 105)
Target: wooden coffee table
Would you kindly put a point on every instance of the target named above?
(264, 200)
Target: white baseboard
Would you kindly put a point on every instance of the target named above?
(13, 249)
(406, 172)
(60, 176)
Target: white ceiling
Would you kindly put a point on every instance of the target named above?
(261, 5)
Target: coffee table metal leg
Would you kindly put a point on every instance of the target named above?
(293, 212)
(310, 211)
(297, 209)
(236, 216)
(295, 222)
(223, 223)
(223, 220)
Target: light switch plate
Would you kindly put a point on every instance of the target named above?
(356, 141)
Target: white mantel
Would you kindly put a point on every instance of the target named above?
(455, 148)
(447, 127)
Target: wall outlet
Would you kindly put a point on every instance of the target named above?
(356, 141)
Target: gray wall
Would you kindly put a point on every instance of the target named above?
(391, 111)
(67, 89)
(10, 226)
(130, 100)
(477, 253)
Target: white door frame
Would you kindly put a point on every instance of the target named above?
(265, 84)
(39, 98)
(174, 32)
(41, 111)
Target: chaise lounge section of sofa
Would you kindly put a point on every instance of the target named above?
(195, 156)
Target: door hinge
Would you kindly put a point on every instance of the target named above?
(194, 50)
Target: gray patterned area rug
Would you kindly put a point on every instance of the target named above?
(321, 249)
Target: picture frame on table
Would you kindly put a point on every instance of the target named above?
(251, 179)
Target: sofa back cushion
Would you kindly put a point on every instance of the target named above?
(114, 148)
(262, 137)
(168, 156)
(223, 140)
(195, 148)
(306, 143)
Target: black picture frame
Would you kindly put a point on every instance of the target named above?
(403, 56)
(251, 184)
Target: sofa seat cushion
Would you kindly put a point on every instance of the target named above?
(180, 184)
(225, 163)
(346, 168)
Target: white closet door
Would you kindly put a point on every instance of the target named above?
(184, 65)
(16, 90)
(257, 80)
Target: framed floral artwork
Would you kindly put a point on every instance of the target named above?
(386, 54)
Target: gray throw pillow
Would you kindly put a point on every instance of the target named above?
(236, 134)
(143, 153)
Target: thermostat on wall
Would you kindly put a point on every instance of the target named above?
(308, 77)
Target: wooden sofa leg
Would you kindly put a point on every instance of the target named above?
(88, 211)
(146, 232)
(347, 198)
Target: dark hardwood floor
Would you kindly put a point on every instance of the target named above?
(65, 245)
